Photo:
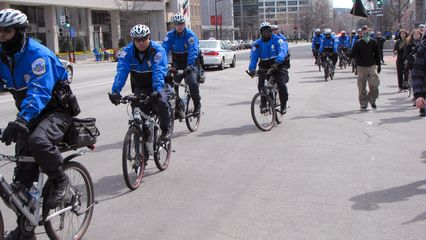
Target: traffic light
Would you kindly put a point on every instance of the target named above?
(379, 2)
(67, 21)
(61, 32)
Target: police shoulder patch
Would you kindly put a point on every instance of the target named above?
(253, 48)
(39, 66)
(158, 57)
(166, 39)
(281, 41)
(191, 40)
(123, 54)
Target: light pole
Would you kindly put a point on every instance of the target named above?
(215, 17)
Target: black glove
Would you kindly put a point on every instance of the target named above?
(252, 73)
(187, 71)
(115, 98)
(14, 130)
(379, 68)
(155, 95)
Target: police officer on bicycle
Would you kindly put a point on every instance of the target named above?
(343, 44)
(183, 43)
(316, 43)
(273, 54)
(329, 46)
(146, 61)
(31, 73)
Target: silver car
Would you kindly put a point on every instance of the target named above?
(69, 68)
(217, 53)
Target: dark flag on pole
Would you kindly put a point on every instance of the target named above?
(358, 9)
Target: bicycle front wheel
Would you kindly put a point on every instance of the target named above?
(1, 227)
(74, 223)
(133, 159)
(163, 154)
(326, 72)
(192, 121)
(263, 114)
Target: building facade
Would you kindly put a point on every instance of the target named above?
(246, 19)
(225, 16)
(419, 12)
(94, 23)
(191, 9)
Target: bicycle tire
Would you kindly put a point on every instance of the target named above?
(163, 153)
(192, 121)
(82, 197)
(270, 111)
(137, 160)
(1, 227)
(326, 72)
(278, 116)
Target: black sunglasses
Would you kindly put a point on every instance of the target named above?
(6, 29)
(140, 39)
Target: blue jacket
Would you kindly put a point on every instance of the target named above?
(280, 35)
(329, 43)
(276, 48)
(354, 40)
(317, 39)
(344, 41)
(155, 63)
(184, 47)
(36, 71)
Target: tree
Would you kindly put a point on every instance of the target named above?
(397, 8)
(129, 15)
(317, 15)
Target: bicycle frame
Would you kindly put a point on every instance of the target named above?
(19, 203)
(180, 74)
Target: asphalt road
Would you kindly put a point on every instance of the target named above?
(328, 172)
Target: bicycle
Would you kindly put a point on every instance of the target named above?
(318, 60)
(141, 141)
(183, 107)
(328, 68)
(343, 59)
(75, 211)
(266, 115)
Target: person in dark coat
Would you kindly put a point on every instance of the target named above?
(398, 52)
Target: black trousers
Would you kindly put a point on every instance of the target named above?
(47, 131)
(191, 80)
(281, 78)
(402, 72)
(162, 106)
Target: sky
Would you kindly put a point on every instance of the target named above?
(342, 3)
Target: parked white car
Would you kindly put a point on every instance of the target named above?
(217, 53)
(69, 68)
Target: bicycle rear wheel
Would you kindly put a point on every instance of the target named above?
(192, 121)
(263, 115)
(133, 159)
(74, 223)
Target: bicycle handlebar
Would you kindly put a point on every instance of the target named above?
(134, 98)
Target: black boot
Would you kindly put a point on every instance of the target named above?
(60, 184)
(14, 235)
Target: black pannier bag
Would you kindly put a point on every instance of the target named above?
(82, 133)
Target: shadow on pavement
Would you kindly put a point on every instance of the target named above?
(372, 200)
(398, 120)
(237, 131)
(239, 103)
(330, 115)
(110, 187)
(313, 81)
(109, 146)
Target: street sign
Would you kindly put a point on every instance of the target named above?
(72, 32)
(378, 11)
(63, 20)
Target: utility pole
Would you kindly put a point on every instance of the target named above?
(215, 19)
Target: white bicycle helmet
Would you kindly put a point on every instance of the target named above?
(274, 27)
(139, 31)
(327, 31)
(317, 30)
(343, 32)
(13, 18)
(178, 18)
(265, 25)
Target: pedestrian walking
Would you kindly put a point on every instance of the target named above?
(367, 57)
(418, 74)
(380, 42)
(398, 52)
